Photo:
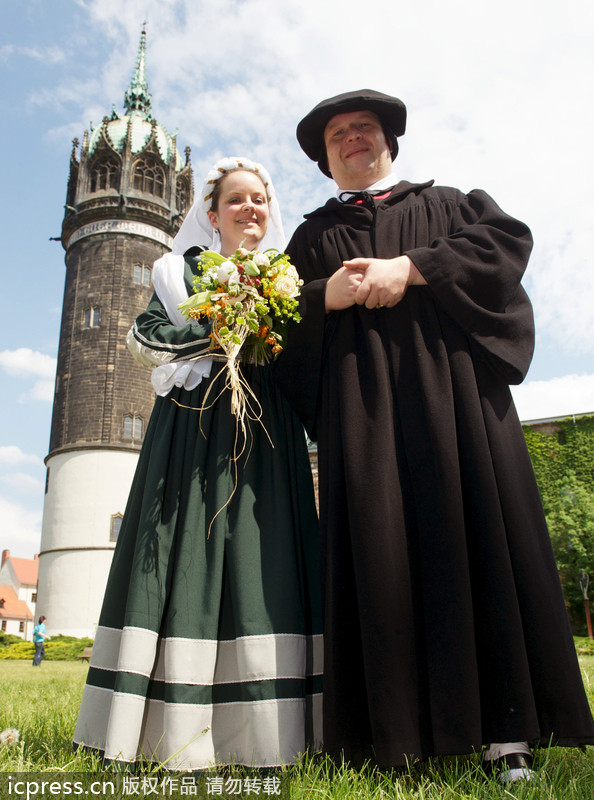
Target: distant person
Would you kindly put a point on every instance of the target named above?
(445, 629)
(39, 637)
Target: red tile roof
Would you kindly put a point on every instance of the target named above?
(13, 608)
(26, 570)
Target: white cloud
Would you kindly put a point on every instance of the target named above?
(42, 390)
(71, 94)
(558, 397)
(24, 362)
(13, 455)
(47, 55)
(21, 529)
(25, 483)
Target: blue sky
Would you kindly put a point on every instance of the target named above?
(499, 97)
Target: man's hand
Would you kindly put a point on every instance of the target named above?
(385, 280)
(342, 288)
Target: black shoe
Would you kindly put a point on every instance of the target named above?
(510, 768)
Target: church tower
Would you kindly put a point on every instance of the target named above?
(126, 196)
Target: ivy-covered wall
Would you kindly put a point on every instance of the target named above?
(562, 454)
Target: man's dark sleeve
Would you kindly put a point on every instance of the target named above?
(474, 274)
(298, 367)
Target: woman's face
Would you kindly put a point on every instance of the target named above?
(242, 211)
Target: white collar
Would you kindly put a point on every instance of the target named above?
(384, 183)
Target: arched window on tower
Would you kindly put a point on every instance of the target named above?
(92, 317)
(133, 427)
(181, 195)
(116, 524)
(105, 174)
(147, 176)
(142, 274)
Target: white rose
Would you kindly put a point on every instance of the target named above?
(286, 286)
(227, 273)
(261, 260)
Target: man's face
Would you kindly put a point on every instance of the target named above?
(357, 151)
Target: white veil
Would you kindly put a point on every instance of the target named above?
(168, 271)
(196, 228)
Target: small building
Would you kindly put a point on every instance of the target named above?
(15, 615)
(18, 594)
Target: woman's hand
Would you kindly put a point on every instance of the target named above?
(384, 281)
(342, 288)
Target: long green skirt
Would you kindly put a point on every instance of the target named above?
(209, 645)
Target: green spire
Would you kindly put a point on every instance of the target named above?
(137, 98)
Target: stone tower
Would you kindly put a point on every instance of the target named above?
(125, 200)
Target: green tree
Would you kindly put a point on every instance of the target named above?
(562, 454)
(570, 517)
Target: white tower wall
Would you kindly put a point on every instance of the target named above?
(85, 489)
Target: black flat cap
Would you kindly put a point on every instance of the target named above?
(310, 131)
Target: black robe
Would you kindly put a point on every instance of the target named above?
(445, 623)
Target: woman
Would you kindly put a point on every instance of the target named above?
(208, 645)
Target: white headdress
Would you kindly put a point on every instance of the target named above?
(196, 228)
(168, 271)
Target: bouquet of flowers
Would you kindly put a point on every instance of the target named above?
(250, 297)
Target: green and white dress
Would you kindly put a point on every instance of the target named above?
(209, 646)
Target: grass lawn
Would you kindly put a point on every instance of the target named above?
(43, 705)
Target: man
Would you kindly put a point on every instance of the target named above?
(445, 623)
